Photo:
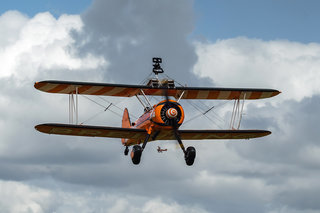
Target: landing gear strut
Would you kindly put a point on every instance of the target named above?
(189, 154)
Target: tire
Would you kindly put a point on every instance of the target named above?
(190, 155)
(126, 151)
(136, 154)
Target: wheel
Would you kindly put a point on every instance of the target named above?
(136, 154)
(190, 155)
(126, 151)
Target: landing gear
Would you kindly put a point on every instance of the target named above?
(137, 151)
(190, 155)
(136, 154)
(126, 151)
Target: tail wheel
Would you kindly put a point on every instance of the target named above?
(136, 154)
(126, 151)
(190, 155)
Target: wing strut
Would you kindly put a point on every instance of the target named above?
(181, 96)
(144, 95)
(73, 107)
(237, 112)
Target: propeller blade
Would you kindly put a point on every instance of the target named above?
(174, 123)
(166, 95)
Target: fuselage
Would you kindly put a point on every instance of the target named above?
(164, 115)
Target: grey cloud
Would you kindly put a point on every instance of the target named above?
(128, 34)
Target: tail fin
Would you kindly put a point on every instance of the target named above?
(126, 119)
(125, 122)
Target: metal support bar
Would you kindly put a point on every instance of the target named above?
(179, 141)
(73, 107)
(140, 101)
(181, 96)
(233, 116)
(236, 116)
(70, 109)
(144, 95)
(77, 105)
(145, 141)
(241, 112)
(155, 135)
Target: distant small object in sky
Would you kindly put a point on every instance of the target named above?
(161, 150)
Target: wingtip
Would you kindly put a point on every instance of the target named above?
(38, 127)
(275, 93)
(37, 84)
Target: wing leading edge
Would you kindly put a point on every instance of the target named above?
(140, 134)
(91, 131)
(122, 90)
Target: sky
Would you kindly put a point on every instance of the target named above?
(264, 44)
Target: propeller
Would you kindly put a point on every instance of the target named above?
(171, 113)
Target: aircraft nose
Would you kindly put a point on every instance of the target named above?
(172, 113)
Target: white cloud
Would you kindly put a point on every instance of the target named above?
(19, 197)
(43, 42)
(34, 49)
(158, 206)
(11, 23)
(290, 67)
(23, 197)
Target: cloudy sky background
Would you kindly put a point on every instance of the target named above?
(269, 44)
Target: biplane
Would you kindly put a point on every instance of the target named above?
(160, 121)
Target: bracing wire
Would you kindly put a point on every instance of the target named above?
(174, 80)
(105, 108)
(113, 104)
(205, 112)
(146, 79)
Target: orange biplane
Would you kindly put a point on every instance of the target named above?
(158, 122)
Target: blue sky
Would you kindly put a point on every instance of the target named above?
(294, 20)
(56, 7)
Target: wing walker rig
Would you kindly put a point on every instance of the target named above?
(158, 122)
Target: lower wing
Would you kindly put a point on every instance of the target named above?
(91, 131)
(140, 134)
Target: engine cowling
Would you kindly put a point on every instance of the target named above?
(167, 112)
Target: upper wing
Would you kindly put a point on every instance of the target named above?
(121, 90)
(140, 134)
